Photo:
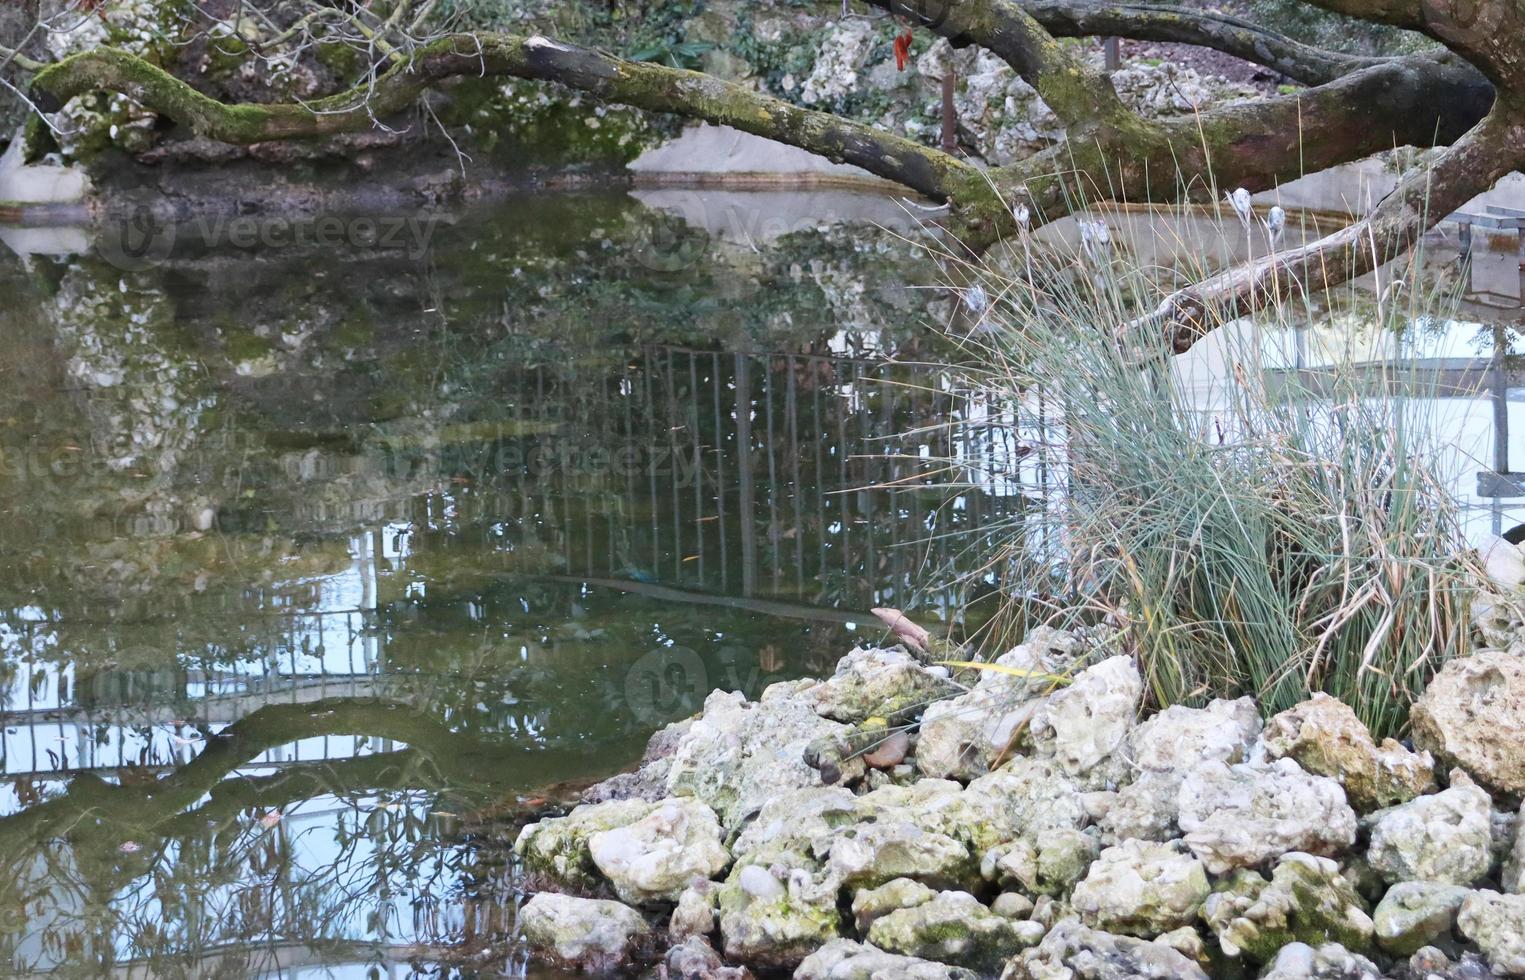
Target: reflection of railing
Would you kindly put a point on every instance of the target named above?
(780, 480)
(60, 721)
(786, 475)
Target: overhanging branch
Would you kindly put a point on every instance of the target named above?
(1468, 167)
(1417, 101)
(639, 84)
(1078, 95)
(1203, 28)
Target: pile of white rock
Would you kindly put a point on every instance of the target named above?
(1028, 829)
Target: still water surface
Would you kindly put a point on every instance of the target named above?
(321, 566)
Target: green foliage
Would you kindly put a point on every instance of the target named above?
(674, 53)
(1278, 533)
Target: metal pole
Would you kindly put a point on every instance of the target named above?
(1112, 53)
(950, 113)
(1499, 382)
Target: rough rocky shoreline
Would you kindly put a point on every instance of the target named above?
(1034, 826)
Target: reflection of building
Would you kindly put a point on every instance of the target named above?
(1457, 374)
(1455, 377)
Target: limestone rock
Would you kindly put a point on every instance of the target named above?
(1331, 961)
(1050, 911)
(694, 914)
(777, 914)
(696, 959)
(1081, 725)
(1446, 837)
(1141, 888)
(940, 806)
(1307, 900)
(1472, 715)
(1326, 738)
(870, 682)
(1245, 815)
(1097, 804)
(1512, 877)
(1503, 562)
(557, 847)
(1189, 943)
(740, 754)
(954, 928)
(581, 933)
(1415, 914)
(834, 70)
(1366, 880)
(1496, 923)
(1025, 797)
(1013, 905)
(843, 959)
(1180, 737)
(1071, 950)
(1430, 963)
(870, 904)
(1049, 865)
(649, 781)
(1498, 619)
(869, 854)
(961, 737)
(803, 820)
(1146, 809)
(654, 858)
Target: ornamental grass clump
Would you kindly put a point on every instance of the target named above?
(1272, 531)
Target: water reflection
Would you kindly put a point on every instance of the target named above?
(1459, 363)
(319, 569)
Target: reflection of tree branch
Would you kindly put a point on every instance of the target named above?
(128, 811)
(771, 607)
(387, 771)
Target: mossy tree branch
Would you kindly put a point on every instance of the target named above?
(1078, 94)
(639, 84)
(1361, 106)
(1111, 152)
(1487, 33)
(1202, 28)
(1418, 101)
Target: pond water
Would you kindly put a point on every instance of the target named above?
(325, 561)
(327, 556)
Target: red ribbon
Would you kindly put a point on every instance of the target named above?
(902, 49)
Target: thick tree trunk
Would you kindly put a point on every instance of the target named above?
(642, 85)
